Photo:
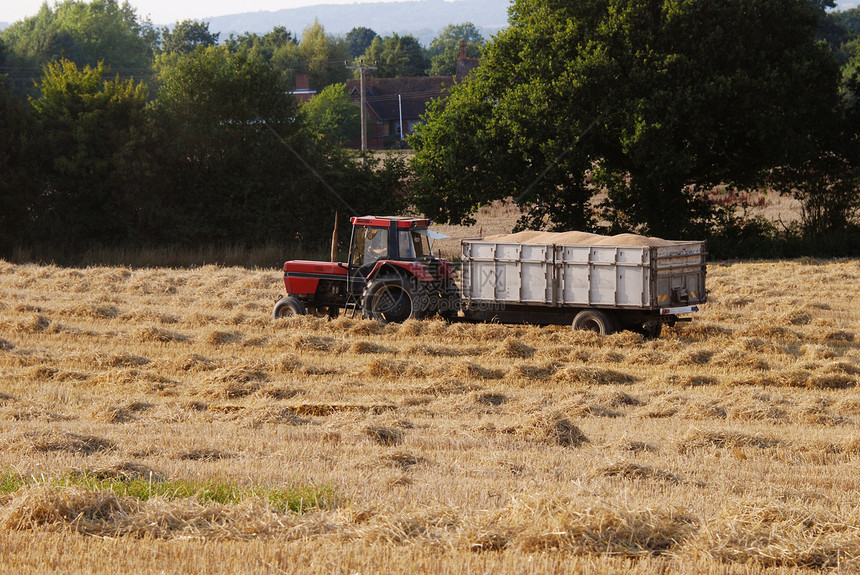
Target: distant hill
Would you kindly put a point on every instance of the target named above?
(421, 18)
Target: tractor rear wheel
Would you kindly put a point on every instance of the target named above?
(326, 312)
(391, 299)
(288, 306)
(594, 320)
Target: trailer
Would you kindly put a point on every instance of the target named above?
(604, 288)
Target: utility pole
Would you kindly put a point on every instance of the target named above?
(361, 68)
(400, 106)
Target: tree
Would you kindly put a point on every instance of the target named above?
(359, 40)
(278, 48)
(211, 112)
(827, 182)
(88, 153)
(238, 164)
(826, 186)
(83, 32)
(323, 55)
(38, 39)
(445, 48)
(654, 100)
(266, 46)
(850, 19)
(396, 57)
(332, 114)
(16, 189)
(837, 29)
(187, 36)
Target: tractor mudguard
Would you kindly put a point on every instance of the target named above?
(415, 269)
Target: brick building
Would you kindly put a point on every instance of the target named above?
(392, 102)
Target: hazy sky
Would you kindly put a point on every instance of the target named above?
(170, 11)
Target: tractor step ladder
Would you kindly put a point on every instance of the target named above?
(350, 308)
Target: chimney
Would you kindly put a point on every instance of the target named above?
(462, 50)
(303, 82)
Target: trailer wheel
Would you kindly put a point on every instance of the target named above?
(593, 320)
(446, 304)
(651, 331)
(288, 306)
(390, 299)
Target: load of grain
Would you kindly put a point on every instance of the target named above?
(579, 238)
(525, 237)
(634, 240)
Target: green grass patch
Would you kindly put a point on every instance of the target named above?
(10, 481)
(294, 499)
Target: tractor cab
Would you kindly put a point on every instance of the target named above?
(371, 243)
(391, 239)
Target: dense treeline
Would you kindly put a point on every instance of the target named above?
(608, 116)
(221, 153)
(116, 133)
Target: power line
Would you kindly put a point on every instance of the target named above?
(424, 94)
(309, 167)
(556, 160)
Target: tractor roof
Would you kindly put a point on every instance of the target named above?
(385, 221)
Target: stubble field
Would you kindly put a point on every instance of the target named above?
(157, 420)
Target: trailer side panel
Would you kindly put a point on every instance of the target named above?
(584, 276)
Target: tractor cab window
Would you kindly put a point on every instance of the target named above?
(414, 245)
(371, 244)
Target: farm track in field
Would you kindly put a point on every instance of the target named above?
(158, 420)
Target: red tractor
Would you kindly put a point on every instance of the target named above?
(391, 276)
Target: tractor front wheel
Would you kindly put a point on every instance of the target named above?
(288, 306)
(391, 299)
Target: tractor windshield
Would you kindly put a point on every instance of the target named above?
(414, 245)
(370, 245)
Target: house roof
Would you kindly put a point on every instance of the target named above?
(381, 94)
(465, 66)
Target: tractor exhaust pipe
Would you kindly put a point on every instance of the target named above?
(334, 240)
